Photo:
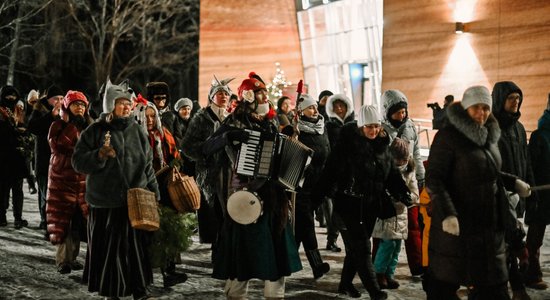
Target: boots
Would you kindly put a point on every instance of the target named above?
(382, 282)
(318, 267)
(349, 290)
(392, 283)
(170, 277)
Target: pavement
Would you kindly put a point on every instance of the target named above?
(27, 271)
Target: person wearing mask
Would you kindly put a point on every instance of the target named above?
(467, 245)
(311, 128)
(398, 124)
(45, 111)
(201, 127)
(265, 249)
(117, 263)
(357, 173)
(538, 216)
(507, 100)
(13, 166)
(66, 208)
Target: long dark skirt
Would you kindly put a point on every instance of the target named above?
(117, 263)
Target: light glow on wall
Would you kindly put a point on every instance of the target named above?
(464, 10)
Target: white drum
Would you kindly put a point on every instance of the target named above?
(244, 207)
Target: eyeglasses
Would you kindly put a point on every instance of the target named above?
(159, 98)
(78, 103)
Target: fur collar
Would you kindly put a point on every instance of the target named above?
(480, 135)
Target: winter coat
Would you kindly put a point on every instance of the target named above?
(317, 140)
(108, 180)
(201, 127)
(12, 151)
(406, 131)
(39, 124)
(356, 173)
(265, 249)
(66, 187)
(513, 139)
(539, 147)
(396, 228)
(180, 128)
(461, 182)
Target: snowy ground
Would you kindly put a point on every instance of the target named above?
(27, 271)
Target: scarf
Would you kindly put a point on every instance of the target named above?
(312, 126)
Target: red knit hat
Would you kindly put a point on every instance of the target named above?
(73, 96)
(253, 83)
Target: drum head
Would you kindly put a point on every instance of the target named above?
(244, 207)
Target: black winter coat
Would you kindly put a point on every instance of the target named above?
(539, 147)
(461, 182)
(39, 124)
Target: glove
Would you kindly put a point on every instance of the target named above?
(522, 188)
(106, 152)
(237, 136)
(450, 225)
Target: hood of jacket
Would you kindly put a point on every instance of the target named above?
(480, 135)
(501, 90)
(330, 106)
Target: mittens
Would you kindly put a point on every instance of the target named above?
(450, 225)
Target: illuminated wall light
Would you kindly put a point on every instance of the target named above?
(459, 28)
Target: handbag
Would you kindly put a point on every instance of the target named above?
(183, 191)
(506, 206)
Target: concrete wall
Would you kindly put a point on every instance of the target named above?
(238, 37)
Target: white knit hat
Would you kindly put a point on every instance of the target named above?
(306, 101)
(476, 95)
(368, 114)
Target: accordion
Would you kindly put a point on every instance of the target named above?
(273, 156)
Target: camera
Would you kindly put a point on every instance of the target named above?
(434, 106)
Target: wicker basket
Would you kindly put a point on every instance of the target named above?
(143, 209)
(184, 192)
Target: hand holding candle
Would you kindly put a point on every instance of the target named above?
(106, 151)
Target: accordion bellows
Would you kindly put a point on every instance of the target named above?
(184, 192)
(143, 209)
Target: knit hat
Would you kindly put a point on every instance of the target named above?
(114, 92)
(53, 91)
(399, 149)
(183, 102)
(219, 85)
(252, 83)
(476, 95)
(157, 88)
(393, 100)
(306, 101)
(73, 96)
(368, 114)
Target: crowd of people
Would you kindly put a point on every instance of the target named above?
(460, 213)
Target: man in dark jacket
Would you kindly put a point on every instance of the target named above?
(13, 167)
(45, 111)
(507, 100)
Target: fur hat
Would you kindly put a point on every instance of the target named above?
(219, 85)
(368, 114)
(399, 149)
(114, 92)
(73, 96)
(183, 102)
(476, 95)
(157, 88)
(33, 93)
(252, 83)
(53, 91)
(306, 101)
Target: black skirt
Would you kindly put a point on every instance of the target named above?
(117, 263)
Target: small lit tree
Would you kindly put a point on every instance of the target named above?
(277, 84)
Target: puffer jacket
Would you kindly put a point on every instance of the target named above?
(406, 131)
(66, 187)
(461, 182)
(396, 228)
(108, 180)
(513, 139)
